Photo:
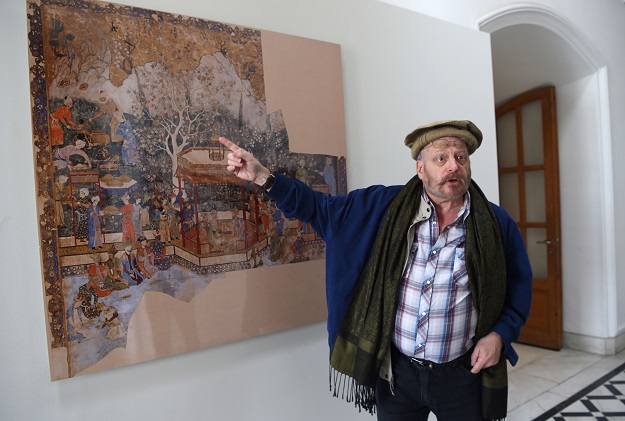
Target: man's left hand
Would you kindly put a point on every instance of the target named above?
(487, 352)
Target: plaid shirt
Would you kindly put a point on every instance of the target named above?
(436, 318)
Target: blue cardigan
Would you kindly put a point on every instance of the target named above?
(349, 225)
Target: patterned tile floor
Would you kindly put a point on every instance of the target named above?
(604, 399)
(566, 385)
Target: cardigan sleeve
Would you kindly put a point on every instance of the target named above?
(518, 299)
(333, 216)
(348, 224)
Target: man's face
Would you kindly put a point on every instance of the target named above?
(445, 169)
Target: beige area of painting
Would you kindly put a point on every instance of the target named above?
(240, 305)
(303, 78)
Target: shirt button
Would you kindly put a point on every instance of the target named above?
(424, 313)
(433, 251)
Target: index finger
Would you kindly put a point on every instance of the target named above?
(477, 367)
(229, 144)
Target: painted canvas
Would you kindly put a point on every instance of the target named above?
(149, 246)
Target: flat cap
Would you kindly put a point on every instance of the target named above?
(464, 129)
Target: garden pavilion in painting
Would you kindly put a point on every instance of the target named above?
(219, 219)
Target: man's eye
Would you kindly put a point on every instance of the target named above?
(439, 159)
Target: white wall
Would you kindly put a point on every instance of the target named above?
(578, 119)
(395, 78)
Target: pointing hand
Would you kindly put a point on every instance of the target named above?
(243, 164)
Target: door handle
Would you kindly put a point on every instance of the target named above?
(544, 242)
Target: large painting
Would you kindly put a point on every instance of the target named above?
(149, 247)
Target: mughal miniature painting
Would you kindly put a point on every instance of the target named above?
(149, 246)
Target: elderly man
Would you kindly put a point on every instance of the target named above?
(427, 284)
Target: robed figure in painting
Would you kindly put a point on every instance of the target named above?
(94, 226)
(127, 210)
(81, 214)
(136, 217)
(145, 259)
(114, 273)
(60, 118)
(130, 270)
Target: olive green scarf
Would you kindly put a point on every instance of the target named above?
(365, 333)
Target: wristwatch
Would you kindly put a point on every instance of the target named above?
(265, 182)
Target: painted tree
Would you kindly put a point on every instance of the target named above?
(172, 122)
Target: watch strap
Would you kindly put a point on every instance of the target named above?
(268, 184)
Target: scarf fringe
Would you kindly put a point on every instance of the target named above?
(344, 387)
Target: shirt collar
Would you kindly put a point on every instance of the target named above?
(463, 212)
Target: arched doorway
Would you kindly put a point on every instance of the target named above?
(531, 47)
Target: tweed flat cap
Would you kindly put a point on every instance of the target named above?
(464, 129)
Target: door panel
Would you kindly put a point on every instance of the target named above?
(527, 150)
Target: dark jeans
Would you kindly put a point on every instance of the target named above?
(451, 393)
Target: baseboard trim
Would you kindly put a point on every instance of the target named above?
(594, 345)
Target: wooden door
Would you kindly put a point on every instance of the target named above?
(527, 150)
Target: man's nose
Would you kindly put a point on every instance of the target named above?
(452, 165)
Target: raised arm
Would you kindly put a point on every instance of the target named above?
(243, 164)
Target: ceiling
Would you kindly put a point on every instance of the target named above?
(527, 56)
